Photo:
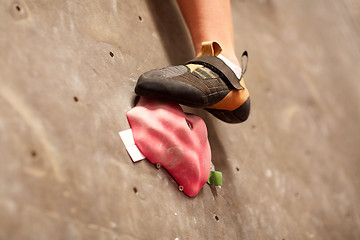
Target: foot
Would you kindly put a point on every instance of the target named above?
(207, 81)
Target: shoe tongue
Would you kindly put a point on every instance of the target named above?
(210, 48)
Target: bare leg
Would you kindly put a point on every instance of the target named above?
(210, 20)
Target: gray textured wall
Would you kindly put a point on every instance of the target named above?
(290, 172)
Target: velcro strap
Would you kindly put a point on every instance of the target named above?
(218, 66)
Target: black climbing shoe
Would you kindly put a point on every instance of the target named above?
(204, 82)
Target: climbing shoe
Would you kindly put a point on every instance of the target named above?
(206, 81)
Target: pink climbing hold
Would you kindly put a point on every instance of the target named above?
(178, 141)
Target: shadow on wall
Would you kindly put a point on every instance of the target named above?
(177, 43)
(178, 46)
(172, 29)
(218, 155)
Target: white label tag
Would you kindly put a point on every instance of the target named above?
(131, 148)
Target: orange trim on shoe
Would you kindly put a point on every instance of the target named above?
(233, 100)
(210, 48)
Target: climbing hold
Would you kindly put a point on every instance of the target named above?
(162, 134)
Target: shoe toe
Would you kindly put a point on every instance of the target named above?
(160, 84)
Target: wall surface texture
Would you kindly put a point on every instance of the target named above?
(67, 74)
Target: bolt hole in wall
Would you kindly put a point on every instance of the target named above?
(76, 99)
(237, 169)
(33, 153)
(17, 7)
(135, 190)
(217, 218)
(140, 18)
(111, 54)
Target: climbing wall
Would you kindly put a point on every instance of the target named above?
(67, 74)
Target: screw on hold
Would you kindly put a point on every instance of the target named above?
(181, 188)
(158, 165)
(189, 124)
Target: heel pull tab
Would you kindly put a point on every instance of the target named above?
(210, 48)
(244, 66)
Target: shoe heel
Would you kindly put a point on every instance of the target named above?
(238, 115)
